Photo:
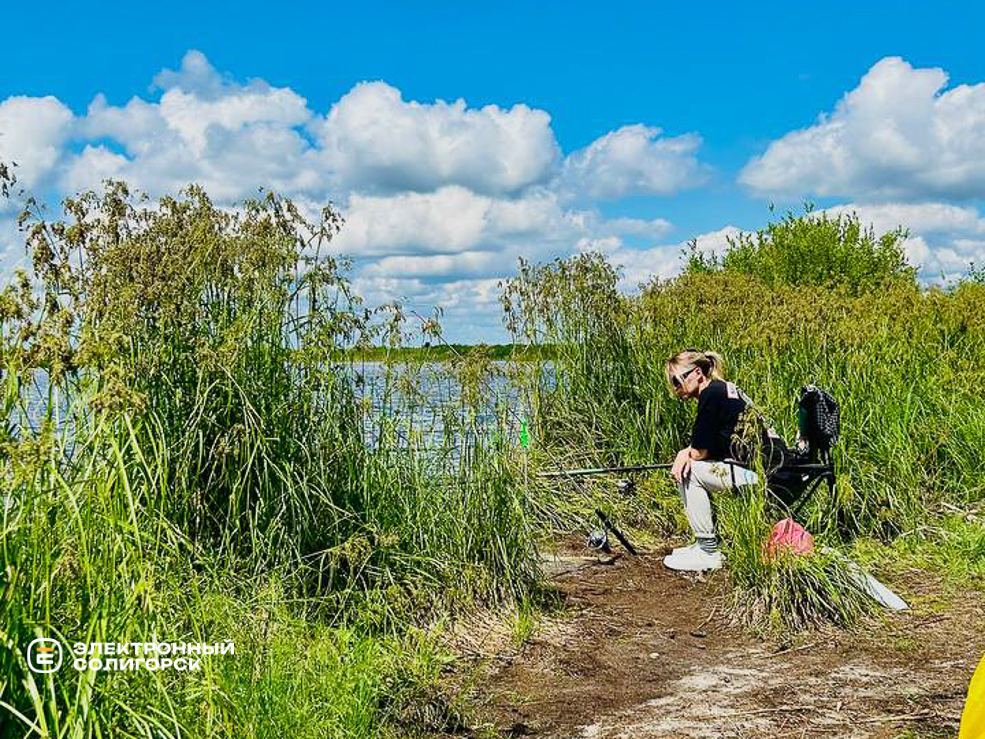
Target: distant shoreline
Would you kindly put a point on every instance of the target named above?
(448, 352)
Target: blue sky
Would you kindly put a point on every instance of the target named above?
(624, 127)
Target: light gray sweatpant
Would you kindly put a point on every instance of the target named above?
(709, 477)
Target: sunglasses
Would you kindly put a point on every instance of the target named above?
(678, 381)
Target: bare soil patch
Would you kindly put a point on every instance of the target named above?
(639, 651)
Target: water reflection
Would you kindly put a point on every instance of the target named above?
(414, 405)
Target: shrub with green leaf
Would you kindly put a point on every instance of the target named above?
(812, 249)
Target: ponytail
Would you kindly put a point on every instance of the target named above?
(716, 367)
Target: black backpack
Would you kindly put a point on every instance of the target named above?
(809, 462)
(819, 422)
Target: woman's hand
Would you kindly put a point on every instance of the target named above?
(682, 465)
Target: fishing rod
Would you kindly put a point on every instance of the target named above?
(603, 470)
(619, 535)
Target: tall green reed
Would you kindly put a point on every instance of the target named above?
(218, 453)
(904, 363)
(808, 299)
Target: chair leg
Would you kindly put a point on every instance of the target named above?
(805, 496)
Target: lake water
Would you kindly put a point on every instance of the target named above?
(417, 405)
(426, 399)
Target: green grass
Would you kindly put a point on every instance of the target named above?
(808, 299)
(217, 482)
(88, 562)
(950, 548)
(219, 485)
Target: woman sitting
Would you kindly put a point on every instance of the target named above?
(699, 468)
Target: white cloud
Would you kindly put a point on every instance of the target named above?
(11, 248)
(924, 218)
(138, 125)
(33, 132)
(664, 261)
(449, 220)
(437, 265)
(233, 138)
(633, 160)
(453, 219)
(93, 165)
(607, 245)
(652, 229)
(228, 137)
(374, 140)
(454, 232)
(196, 105)
(196, 75)
(471, 308)
(441, 199)
(896, 136)
(198, 122)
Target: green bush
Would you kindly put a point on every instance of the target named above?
(812, 249)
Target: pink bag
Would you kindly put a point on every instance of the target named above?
(789, 537)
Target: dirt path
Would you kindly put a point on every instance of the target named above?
(642, 652)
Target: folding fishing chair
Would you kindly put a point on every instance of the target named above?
(798, 471)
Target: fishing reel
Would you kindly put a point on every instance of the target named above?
(599, 541)
(626, 486)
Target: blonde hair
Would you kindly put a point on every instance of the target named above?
(710, 364)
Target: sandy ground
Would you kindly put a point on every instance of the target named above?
(637, 651)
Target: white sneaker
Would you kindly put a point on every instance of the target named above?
(694, 560)
(688, 548)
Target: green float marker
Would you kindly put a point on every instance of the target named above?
(524, 438)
